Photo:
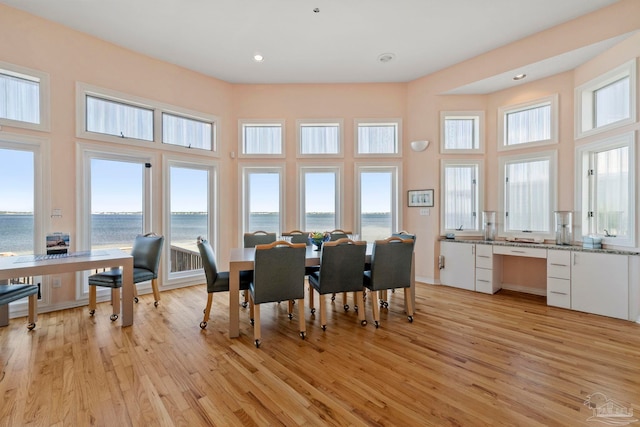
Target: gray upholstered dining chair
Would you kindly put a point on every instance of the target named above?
(278, 275)
(341, 269)
(11, 293)
(258, 238)
(217, 281)
(146, 252)
(338, 234)
(384, 303)
(298, 236)
(390, 269)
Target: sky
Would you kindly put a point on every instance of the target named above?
(16, 180)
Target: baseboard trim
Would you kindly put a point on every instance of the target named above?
(525, 289)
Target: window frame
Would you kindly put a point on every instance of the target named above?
(83, 90)
(261, 122)
(396, 203)
(337, 170)
(552, 157)
(583, 188)
(479, 164)
(327, 121)
(478, 118)
(504, 111)
(244, 170)
(584, 102)
(169, 161)
(397, 122)
(44, 96)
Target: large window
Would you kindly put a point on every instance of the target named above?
(320, 138)
(462, 131)
(378, 137)
(461, 197)
(377, 201)
(24, 97)
(263, 199)
(189, 214)
(607, 102)
(530, 123)
(528, 196)
(320, 198)
(606, 189)
(264, 139)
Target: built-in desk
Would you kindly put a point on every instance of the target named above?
(599, 281)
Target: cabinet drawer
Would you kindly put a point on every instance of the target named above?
(485, 281)
(518, 251)
(559, 292)
(559, 264)
(484, 256)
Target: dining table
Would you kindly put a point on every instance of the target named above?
(242, 259)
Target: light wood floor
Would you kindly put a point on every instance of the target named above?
(467, 359)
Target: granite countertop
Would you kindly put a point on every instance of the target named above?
(576, 248)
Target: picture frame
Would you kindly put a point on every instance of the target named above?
(422, 198)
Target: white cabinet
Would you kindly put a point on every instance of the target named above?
(600, 284)
(559, 278)
(487, 270)
(458, 265)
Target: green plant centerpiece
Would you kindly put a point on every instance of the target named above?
(317, 238)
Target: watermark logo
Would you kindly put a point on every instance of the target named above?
(608, 411)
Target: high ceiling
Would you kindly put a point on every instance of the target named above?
(338, 42)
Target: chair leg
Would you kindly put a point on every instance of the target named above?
(251, 312)
(323, 312)
(256, 325)
(33, 311)
(290, 309)
(301, 323)
(376, 309)
(135, 293)
(156, 292)
(312, 305)
(207, 310)
(361, 317)
(115, 302)
(408, 303)
(92, 300)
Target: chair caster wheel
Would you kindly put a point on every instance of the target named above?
(346, 307)
(290, 316)
(410, 319)
(302, 335)
(333, 297)
(324, 327)
(257, 343)
(113, 317)
(244, 304)
(363, 323)
(135, 299)
(355, 307)
(293, 302)
(31, 326)
(313, 311)
(386, 304)
(203, 325)
(251, 321)
(377, 324)
(92, 312)
(155, 304)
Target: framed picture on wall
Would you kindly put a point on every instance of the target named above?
(420, 198)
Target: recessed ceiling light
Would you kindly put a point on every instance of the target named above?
(258, 57)
(519, 76)
(386, 57)
(316, 10)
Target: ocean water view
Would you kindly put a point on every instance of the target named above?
(119, 230)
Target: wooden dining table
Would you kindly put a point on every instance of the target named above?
(242, 259)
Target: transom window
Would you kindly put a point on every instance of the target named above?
(320, 138)
(110, 116)
(606, 102)
(461, 197)
(24, 97)
(378, 137)
(528, 196)
(606, 189)
(530, 123)
(462, 131)
(263, 139)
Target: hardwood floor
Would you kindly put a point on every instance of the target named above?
(467, 359)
